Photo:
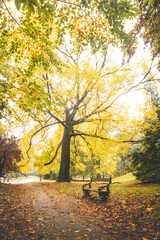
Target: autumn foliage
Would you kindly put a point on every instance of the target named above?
(10, 154)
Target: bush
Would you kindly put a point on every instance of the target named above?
(50, 176)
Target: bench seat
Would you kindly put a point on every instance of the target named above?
(102, 190)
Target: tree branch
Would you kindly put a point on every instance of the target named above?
(30, 143)
(96, 111)
(56, 118)
(105, 138)
(66, 55)
(104, 60)
(12, 15)
(87, 143)
(73, 4)
(54, 155)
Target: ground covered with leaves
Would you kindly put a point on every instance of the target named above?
(50, 210)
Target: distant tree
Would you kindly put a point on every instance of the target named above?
(146, 159)
(10, 154)
(52, 175)
(148, 24)
(123, 165)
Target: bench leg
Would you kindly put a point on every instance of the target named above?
(86, 193)
(103, 196)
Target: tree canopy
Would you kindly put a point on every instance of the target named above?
(31, 34)
(148, 24)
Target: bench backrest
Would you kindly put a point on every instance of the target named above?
(101, 179)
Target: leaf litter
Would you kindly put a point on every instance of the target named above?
(38, 211)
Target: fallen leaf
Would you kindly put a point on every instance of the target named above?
(88, 229)
(80, 237)
(149, 209)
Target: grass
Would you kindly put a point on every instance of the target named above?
(127, 178)
(122, 186)
(128, 185)
(137, 190)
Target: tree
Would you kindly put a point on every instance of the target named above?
(123, 165)
(63, 89)
(78, 104)
(5, 67)
(69, 92)
(148, 24)
(10, 154)
(146, 159)
(43, 153)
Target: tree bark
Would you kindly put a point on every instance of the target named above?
(65, 157)
(123, 164)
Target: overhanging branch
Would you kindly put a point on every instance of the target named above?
(87, 143)
(30, 143)
(101, 108)
(54, 155)
(106, 138)
(56, 118)
(12, 15)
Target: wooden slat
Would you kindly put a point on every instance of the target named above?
(91, 190)
(101, 179)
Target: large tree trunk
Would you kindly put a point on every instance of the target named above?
(65, 158)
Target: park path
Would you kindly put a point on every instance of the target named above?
(35, 211)
(21, 180)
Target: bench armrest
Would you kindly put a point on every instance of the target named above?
(87, 184)
(102, 187)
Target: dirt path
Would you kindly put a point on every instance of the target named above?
(61, 215)
(33, 211)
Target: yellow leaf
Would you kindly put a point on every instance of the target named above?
(149, 209)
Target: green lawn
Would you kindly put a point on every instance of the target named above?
(127, 178)
(122, 186)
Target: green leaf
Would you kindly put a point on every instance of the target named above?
(18, 4)
(35, 3)
(46, 13)
(41, 1)
(49, 6)
(31, 9)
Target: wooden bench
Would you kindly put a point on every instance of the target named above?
(102, 190)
